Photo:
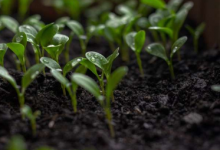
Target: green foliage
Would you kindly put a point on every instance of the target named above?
(28, 77)
(136, 42)
(158, 50)
(16, 143)
(32, 116)
(3, 49)
(196, 33)
(23, 7)
(158, 4)
(6, 6)
(9, 23)
(35, 22)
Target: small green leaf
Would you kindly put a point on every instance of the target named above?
(110, 59)
(216, 88)
(174, 4)
(18, 50)
(9, 23)
(168, 31)
(20, 38)
(180, 18)
(31, 74)
(50, 63)
(60, 39)
(59, 77)
(76, 27)
(85, 62)
(155, 18)
(139, 41)
(16, 143)
(26, 111)
(46, 34)
(130, 40)
(87, 83)
(4, 74)
(30, 32)
(114, 80)
(71, 64)
(157, 50)
(97, 59)
(3, 49)
(54, 51)
(61, 22)
(187, 6)
(177, 45)
(199, 30)
(158, 4)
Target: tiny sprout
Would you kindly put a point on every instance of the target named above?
(27, 112)
(19, 51)
(136, 42)
(27, 79)
(90, 85)
(158, 50)
(196, 35)
(3, 49)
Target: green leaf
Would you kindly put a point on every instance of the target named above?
(4, 74)
(174, 4)
(110, 59)
(9, 23)
(168, 31)
(59, 77)
(50, 63)
(180, 18)
(20, 38)
(60, 39)
(114, 80)
(139, 41)
(97, 59)
(3, 49)
(31, 74)
(61, 22)
(199, 30)
(130, 40)
(54, 51)
(177, 45)
(71, 64)
(18, 50)
(46, 34)
(76, 27)
(26, 111)
(85, 62)
(187, 6)
(157, 50)
(216, 88)
(155, 18)
(87, 83)
(158, 4)
(191, 30)
(35, 22)
(30, 32)
(16, 143)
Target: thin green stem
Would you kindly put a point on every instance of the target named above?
(33, 126)
(140, 64)
(196, 45)
(170, 64)
(109, 120)
(83, 46)
(64, 89)
(23, 67)
(73, 99)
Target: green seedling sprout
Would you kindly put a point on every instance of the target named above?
(27, 79)
(158, 50)
(196, 35)
(19, 50)
(78, 30)
(3, 49)
(53, 65)
(9, 23)
(23, 8)
(91, 86)
(105, 64)
(71, 88)
(32, 116)
(35, 22)
(136, 42)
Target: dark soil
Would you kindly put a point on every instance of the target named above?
(150, 113)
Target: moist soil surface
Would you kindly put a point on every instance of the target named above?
(149, 113)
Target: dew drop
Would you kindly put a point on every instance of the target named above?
(93, 59)
(79, 59)
(59, 70)
(45, 61)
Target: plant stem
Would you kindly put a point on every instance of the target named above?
(23, 67)
(196, 45)
(140, 64)
(73, 99)
(66, 52)
(112, 46)
(64, 89)
(33, 126)
(83, 46)
(21, 101)
(125, 53)
(109, 119)
(170, 64)
(155, 36)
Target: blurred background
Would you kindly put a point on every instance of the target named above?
(204, 11)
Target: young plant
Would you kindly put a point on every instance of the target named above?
(136, 42)
(158, 50)
(9, 23)
(78, 30)
(27, 79)
(3, 49)
(23, 8)
(196, 33)
(90, 85)
(71, 88)
(32, 116)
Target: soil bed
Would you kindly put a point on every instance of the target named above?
(150, 113)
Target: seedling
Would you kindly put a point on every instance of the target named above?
(158, 50)
(196, 35)
(27, 79)
(3, 49)
(32, 116)
(71, 88)
(23, 7)
(78, 30)
(136, 42)
(53, 65)
(90, 85)
(9, 23)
